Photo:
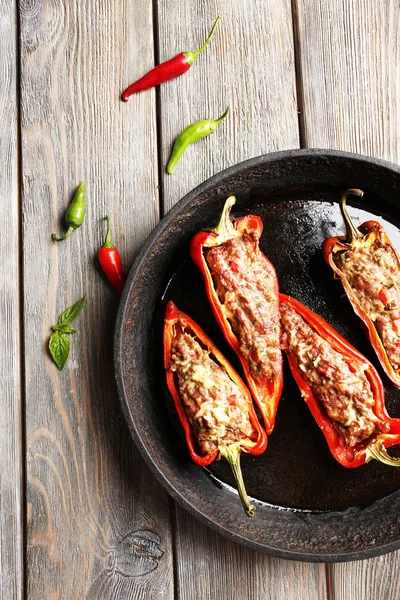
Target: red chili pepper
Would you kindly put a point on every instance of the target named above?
(375, 446)
(175, 322)
(110, 261)
(174, 67)
(266, 393)
(366, 235)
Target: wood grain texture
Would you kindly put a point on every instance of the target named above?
(11, 448)
(248, 66)
(98, 523)
(367, 579)
(350, 75)
(209, 566)
(349, 66)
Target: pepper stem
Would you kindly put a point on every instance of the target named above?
(378, 451)
(225, 229)
(232, 455)
(222, 117)
(64, 237)
(193, 55)
(107, 241)
(352, 233)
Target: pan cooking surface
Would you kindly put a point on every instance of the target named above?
(297, 470)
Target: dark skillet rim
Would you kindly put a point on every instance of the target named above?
(318, 557)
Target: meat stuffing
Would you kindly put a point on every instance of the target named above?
(245, 283)
(215, 406)
(373, 273)
(341, 387)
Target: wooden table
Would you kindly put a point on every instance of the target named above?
(296, 73)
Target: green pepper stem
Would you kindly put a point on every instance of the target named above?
(191, 56)
(225, 230)
(107, 241)
(80, 189)
(222, 117)
(352, 233)
(232, 455)
(378, 451)
(64, 237)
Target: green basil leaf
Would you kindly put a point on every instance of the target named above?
(63, 328)
(71, 312)
(59, 348)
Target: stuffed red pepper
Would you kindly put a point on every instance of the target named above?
(340, 386)
(214, 406)
(242, 288)
(368, 266)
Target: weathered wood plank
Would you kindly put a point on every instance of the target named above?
(11, 485)
(209, 566)
(234, 71)
(349, 62)
(367, 579)
(350, 75)
(98, 523)
(249, 66)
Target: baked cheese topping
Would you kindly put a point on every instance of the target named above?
(215, 406)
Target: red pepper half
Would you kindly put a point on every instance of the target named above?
(110, 261)
(176, 320)
(265, 393)
(366, 234)
(174, 67)
(373, 447)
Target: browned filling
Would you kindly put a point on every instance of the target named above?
(341, 387)
(245, 286)
(216, 408)
(373, 274)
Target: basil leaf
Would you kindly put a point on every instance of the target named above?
(63, 328)
(59, 348)
(71, 312)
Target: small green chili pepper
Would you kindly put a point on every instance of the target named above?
(75, 214)
(191, 134)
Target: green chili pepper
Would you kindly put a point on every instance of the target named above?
(191, 134)
(75, 214)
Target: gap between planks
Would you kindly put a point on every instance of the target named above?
(174, 535)
(298, 74)
(160, 187)
(156, 46)
(21, 328)
(329, 581)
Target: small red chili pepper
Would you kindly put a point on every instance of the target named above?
(110, 261)
(373, 447)
(175, 323)
(174, 67)
(365, 237)
(266, 392)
